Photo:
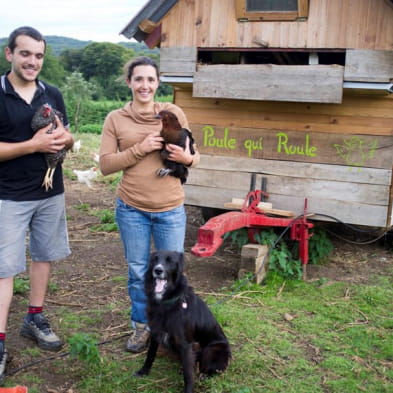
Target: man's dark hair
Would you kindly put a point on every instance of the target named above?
(24, 30)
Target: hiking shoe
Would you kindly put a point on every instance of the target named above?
(39, 330)
(3, 360)
(139, 338)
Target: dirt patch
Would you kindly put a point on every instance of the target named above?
(92, 279)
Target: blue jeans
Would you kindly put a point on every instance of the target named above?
(137, 228)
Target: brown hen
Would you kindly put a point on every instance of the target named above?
(175, 134)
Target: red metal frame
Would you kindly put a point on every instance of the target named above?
(210, 235)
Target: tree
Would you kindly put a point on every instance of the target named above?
(71, 59)
(52, 71)
(104, 61)
(76, 91)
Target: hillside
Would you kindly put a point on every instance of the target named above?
(58, 44)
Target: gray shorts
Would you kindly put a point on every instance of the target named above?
(45, 223)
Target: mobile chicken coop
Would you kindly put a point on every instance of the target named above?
(297, 92)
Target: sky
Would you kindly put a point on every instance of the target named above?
(95, 20)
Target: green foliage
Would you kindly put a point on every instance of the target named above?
(107, 221)
(92, 114)
(83, 207)
(238, 238)
(105, 216)
(77, 92)
(282, 259)
(60, 44)
(319, 246)
(84, 347)
(4, 65)
(21, 285)
(52, 70)
(102, 62)
(91, 129)
(53, 287)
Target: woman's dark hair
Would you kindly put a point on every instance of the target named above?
(24, 30)
(144, 60)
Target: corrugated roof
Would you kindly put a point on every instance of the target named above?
(154, 11)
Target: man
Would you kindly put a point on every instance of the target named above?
(24, 203)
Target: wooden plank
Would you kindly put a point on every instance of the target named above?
(254, 259)
(275, 212)
(312, 83)
(353, 107)
(291, 124)
(352, 192)
(302, 8)
(351, 213)
(300, 170)
(179, 61)
(355, 151)
(261, 205)
(147, 26)
(368, 65)
(360, 24)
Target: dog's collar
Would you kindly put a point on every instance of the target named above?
(175, 299)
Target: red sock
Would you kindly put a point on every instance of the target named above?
(35, 310)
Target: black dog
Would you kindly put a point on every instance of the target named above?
(181, 322)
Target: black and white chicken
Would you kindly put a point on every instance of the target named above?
(44, 116)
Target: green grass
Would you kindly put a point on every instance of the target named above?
(286, 336)
(339, 340)
(335, 343)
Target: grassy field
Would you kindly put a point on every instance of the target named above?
(286, 336)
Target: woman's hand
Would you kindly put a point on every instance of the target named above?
(151, 143)
(176, 153)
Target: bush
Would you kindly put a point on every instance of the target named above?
(91, 128)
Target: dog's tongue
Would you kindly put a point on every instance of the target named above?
(160, 285)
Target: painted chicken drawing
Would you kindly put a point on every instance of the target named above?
(44, 116)
(356, 151)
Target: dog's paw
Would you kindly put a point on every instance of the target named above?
(140, 373)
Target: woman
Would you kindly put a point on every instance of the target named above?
(148, 206)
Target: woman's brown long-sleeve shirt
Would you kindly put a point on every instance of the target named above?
(140, 186)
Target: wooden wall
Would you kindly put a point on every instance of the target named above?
(358, 114)
(338, 156)
(356, 24)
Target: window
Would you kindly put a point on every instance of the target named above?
(271, 9)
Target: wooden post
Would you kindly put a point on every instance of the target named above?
(254, 259)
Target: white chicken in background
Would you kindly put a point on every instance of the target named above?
(96, 157)
(86, 176)
(76, 147)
